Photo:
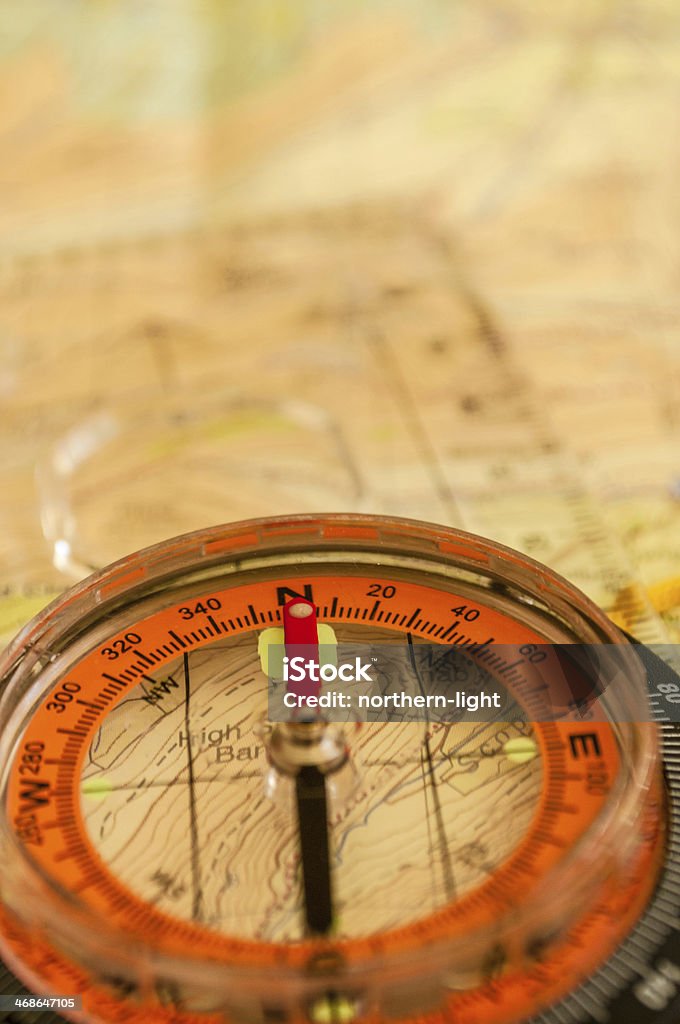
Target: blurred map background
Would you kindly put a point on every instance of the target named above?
(418, 257)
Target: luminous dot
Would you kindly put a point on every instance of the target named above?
(521, 749)
(300, 610)
(97, 789)
(334, 1009)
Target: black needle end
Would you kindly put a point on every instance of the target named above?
(312, 808)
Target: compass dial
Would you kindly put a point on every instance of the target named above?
(164, 864)
(228, 857)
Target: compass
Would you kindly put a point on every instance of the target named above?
(172, 853)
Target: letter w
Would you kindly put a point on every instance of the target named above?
(34, 792)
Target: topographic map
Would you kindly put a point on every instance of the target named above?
(412, 258)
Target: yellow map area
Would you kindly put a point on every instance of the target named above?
(404, 257)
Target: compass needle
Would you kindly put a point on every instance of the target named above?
(310, 791)
(301, 639)
(302, 771)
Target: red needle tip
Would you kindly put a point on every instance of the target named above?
(302, 641)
